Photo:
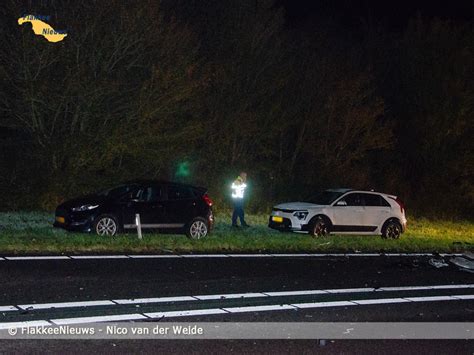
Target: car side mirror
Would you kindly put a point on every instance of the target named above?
(341, 203)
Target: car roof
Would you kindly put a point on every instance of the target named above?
(372, 192)
(343, 190)
(346, 190)
(161, 182)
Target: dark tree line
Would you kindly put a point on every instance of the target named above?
(140, 88)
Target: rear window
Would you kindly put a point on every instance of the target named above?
(179, 193)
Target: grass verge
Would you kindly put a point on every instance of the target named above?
(31, 233)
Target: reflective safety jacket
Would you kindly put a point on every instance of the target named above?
(238, 188)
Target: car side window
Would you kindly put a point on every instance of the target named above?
(179, 193)
(373, 200)
(149, 194)
(383, 202)
(353, 200)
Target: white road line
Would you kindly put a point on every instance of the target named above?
(52, 257)
(441, 287)
(414, 288)
(430, 298)
(97, 319)
(465, 297)
(204, 256)
(360, 254)
(291, 255)
(295, 293)
(99, 256)
(211, 311)
(380, 301)
(275, 307)
(65, 305)
(408, 288)
(177, 256)
(115, 302)
(255, 255)
(192, 312)
(323, 304)
(8, 308)
(138, 256)
(350, 290)
(232, 295)
(155, 300)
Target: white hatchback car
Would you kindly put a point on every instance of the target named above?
(343, 211)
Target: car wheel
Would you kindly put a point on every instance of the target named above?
(106, 225)
(392, 230)
(319, 228)
(197, 229)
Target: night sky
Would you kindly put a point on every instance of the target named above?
(392, 14)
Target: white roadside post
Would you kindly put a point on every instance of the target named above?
(139, 225)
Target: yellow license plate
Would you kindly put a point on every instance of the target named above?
(277, 219)
(60, 220)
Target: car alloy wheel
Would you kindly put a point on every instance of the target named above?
(197, 229)
(393, 231)
(320, 228)
(106, 226)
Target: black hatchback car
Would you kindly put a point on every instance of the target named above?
(165, 206)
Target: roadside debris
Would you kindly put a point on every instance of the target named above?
(438, 263)
(469, 255)
(463, 263)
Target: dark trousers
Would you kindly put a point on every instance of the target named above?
(238, 212)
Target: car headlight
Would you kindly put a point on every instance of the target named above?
(84, 208)
(301, 215)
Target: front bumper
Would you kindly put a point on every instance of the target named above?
(74, 222)
(287, 224)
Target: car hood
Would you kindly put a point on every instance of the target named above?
(85, 200)
(293, 206)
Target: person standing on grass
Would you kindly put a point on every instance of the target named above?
(238, 194)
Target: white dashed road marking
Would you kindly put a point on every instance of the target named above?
(194, 298)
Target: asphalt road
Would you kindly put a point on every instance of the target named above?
(41, 282)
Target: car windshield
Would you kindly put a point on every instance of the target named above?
(116, 191)
(325, 198)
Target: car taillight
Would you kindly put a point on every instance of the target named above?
(401, 204)
(207, 200)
